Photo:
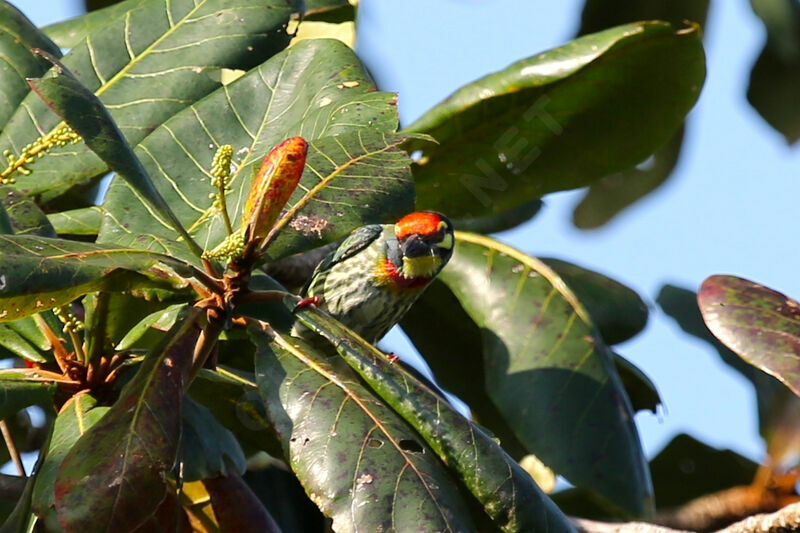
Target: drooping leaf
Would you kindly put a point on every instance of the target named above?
(777, 405)
(502, 221)
(548, 372)
(146, 66)
(83, 221)
(15, 343)
(758, 323)
(17, 393)
(355, 171)
(77, 415)
(38, 273)
(17, 36)
(609, 196)
(115, 474)
(358, 461)
(236, 404)
(512, 136)
(207, 449)
(639, 388)
(775, 76)
(89, 118)
(617, 311)
(26, 217)
(599, 15)
(507, 492)
(236, 507)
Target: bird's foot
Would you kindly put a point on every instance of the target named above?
(313, 301)
(392, 357)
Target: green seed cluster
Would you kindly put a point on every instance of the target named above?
(221, 166)
(61, 136)
(68, 318)
(231, 248)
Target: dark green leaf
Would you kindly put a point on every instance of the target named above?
(760, 324)
(613, 97)
(236, 507)
(360, 463)
(115, 474)
(76, 417)
(355, 171)
(83, 221)
(146, 66)
(607, 197)
(20, 518)
(507, 493)
(40, 273)
(17, 36)
(640, 389)
(333, 11)
(88, 117)
(617, 311)
(548, 372)
(236, 404)
(28, 329)
(16, 393)
(502, 221)
(25, 216)
(284, 498)
(599, 15)
(15, 343)
(207, 449)
(687, 468)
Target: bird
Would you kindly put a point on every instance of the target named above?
(373, 277)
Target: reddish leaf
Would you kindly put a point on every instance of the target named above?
(761, 325)
(273, 185)
(114, 478)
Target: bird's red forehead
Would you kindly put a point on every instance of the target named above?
(421, 223)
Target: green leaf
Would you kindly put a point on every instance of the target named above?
(207, 449)
(237, 507)
(548, 372)
(614, 97)
(17, 393)
(758, 323)
(355, 171)
(234, 400)
(599, 15)
(687, 469)
(83, 221)
(40, 273)
(15, 343)
(20, 518)
(115, 474)
(617, 311)
(159, 58)
(162, 319)
(69, 33)
(30, 331)
(330, 10)
(17, 36)
(77, 415)
(609, 196)
(25, 215)
(775, 76)
(507, 493)
(639, 388)
(90, 119)
(358, 461)
(501, 221)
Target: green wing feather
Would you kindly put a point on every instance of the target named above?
(354, 243)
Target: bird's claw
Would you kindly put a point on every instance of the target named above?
(313, 301)
(392, 357)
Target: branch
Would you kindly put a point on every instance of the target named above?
(785, 520)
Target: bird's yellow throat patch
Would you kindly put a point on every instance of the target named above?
(425, 266)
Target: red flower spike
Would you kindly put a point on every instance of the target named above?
(273, 185)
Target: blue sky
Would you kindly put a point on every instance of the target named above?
(727, 209)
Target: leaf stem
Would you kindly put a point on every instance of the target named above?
(12, 448)
(56, 343)
(96, 327)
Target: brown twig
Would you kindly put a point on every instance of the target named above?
(56, 343)
(12, 448)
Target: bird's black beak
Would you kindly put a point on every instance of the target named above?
(414, 246)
